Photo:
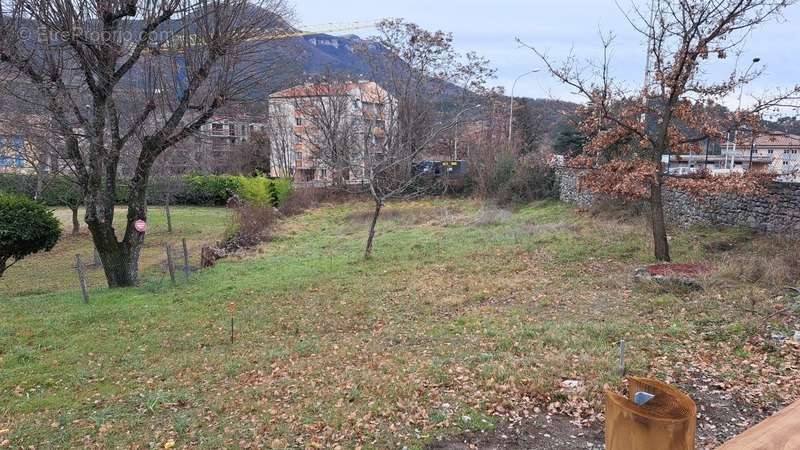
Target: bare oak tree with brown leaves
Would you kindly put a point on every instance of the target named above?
(631, 129)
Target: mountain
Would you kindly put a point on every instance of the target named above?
(322, 54)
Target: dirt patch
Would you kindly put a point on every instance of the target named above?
(539, 432)
(721, 414)
(677, 270)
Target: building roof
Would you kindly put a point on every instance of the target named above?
(777, 140)
(370, 90)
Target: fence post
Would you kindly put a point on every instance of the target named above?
(81, 278)
(169, 214)
(170, 265)
(186, 269)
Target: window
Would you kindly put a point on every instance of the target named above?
(216, 128)
(298, 121)
(770, 151)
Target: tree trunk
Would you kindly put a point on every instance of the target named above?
(39, 183)
(120, 259)
(76, 224)
(660, 243)
(371, 238)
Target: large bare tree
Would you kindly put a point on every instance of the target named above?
(130, 76)
(631, 129)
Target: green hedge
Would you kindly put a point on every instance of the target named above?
(193, 189)
(216, 189)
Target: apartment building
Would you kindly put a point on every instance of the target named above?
(221, 140)
(297, 121)
(783, 152)
(12, 154)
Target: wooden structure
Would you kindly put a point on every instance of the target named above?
(667, 422)
(779, 432)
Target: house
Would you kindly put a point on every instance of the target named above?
(783, 152)
(774, 152)
(716, 164)
(298, 117)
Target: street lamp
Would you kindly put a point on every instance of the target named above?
(755, 61)
(511, 107)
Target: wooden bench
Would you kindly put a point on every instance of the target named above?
(779, 432)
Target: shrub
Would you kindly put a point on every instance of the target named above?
(61, 191)
(26, 227)
(272, 193)
(250, 225)
(193, 189)
(18, 184)
(217, 189)
(209, 189)
(300, 200)
(521, 180)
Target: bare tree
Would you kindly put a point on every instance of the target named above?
(488, 142)
(330, 119)
(281, 139)
(631, 128)
(428, 88)
(252, 156)
(134, 76)
(40, 150)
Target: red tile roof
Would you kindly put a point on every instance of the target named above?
(778, 140)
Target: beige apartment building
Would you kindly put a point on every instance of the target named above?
(296, 117)
(783, 152)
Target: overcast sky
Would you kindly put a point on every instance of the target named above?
(490, 28)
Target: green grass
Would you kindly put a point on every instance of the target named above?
(53, 272)
(331, 349)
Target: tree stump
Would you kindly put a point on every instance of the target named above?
(210, 255)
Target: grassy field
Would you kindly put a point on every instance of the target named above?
(466, 317)
(53, 272)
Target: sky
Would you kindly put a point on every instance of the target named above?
(558, 27)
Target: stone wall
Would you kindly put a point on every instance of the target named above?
(776, 211)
